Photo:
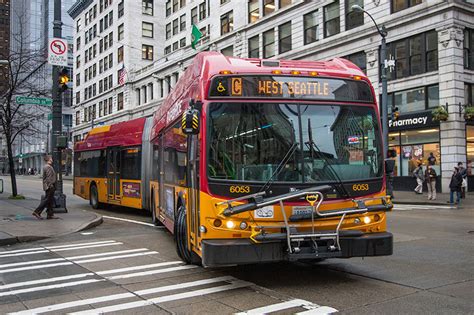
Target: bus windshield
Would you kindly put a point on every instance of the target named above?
(248, 141)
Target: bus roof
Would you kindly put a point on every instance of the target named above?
(207, 64)
(127, 133)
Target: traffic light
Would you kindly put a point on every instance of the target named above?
(395, 113)
(63, 80)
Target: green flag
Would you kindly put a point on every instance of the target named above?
(195, 36)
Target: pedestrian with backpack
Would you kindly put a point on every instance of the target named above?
(420, 177)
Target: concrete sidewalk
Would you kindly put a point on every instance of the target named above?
(410, 197)
(18, 225)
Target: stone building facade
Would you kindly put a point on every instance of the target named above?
(431, 43)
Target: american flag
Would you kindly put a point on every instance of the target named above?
(122, 76)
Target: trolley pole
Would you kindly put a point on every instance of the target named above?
(57, 116)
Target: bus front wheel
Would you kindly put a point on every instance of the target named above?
(94, 197)
(181, 235)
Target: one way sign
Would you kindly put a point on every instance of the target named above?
(57, 52)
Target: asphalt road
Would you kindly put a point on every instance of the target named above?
(131, 267)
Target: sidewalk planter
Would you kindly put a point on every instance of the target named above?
(440, 114)
(469, 113)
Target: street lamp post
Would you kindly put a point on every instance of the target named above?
(383, 57)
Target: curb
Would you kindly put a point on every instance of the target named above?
(31, 238)
(419, 203)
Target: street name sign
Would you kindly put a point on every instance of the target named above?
(57, 52)
(42, 101)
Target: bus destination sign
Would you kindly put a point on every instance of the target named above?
(310, 88)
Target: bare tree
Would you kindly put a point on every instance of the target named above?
(23, 73)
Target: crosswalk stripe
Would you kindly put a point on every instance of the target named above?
(151, 272)
(33, 262)
(115, 257)
(278, 307)
(322, 310)
(86, 246)
(35, 267)
(50, 287)
(24, 254)
(79, 244)
(166, 298)
(40, 281)
(167, 263)
(20, 250)
(107, 298)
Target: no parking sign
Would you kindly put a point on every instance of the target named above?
(57, 52)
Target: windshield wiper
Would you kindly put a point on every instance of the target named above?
(280, 166)
(312, 146)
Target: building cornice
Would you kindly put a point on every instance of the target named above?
(78, 7)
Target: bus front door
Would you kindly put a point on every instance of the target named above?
(193, 186)
(113, 174)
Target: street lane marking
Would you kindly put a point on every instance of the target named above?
(322, 310)
(278, 307)
(50, 287)
(167, 298)
(33, 262)
(131, 221)
(35, 267)
(24, 254)
(81, 275)
(115, 257)
(86, 246)
(151, 272)
(107, 272)
(41, 281)
(79, 244)
(107, 298)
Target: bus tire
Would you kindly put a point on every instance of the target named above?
(181, 236)
(94, 197)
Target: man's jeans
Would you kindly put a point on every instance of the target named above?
(451, 196)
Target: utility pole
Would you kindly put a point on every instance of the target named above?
(57, 115)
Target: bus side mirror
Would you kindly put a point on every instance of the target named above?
(190, 122)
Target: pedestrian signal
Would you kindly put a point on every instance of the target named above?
(395, 113)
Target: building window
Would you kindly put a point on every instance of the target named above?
(413, 100)
(175, 26)
(78, 25)
(182, 23)
(147, 29)
(167, 50)
(269, 44)
(175, 5)
(78, 98)
(120, 101)
(284, 38)
(331, 19)
(254, 47)
(147, 52)
(168, 31)
(182, 42)
(175, 46)
(78, 61)
(470, 149)
(147, 7)
(78, 118)
(194, 15)
(228, 51)
(120, 32)
(202, 11)
(227, 23)
(182, 3)
(354, 18)
(469, 49)
(168, 8)
(284, 3)
(413, 55)
(398, 5)
(78, 43)
(268, 7)
(120, 8)
(254, 10)
(78, 79)
(359, 59)
(310, 23)
(224, 1)
(120, 54)
(469, 95)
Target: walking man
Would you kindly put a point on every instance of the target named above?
(455, 186)
(430, 176)
(49, 186)
(419, 176)
(463, 172)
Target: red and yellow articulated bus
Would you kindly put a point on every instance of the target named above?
(267, 160)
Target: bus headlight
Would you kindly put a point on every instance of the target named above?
(367, 220)
(243, 225)
(230, 224)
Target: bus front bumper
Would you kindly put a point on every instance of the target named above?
(224, 252)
